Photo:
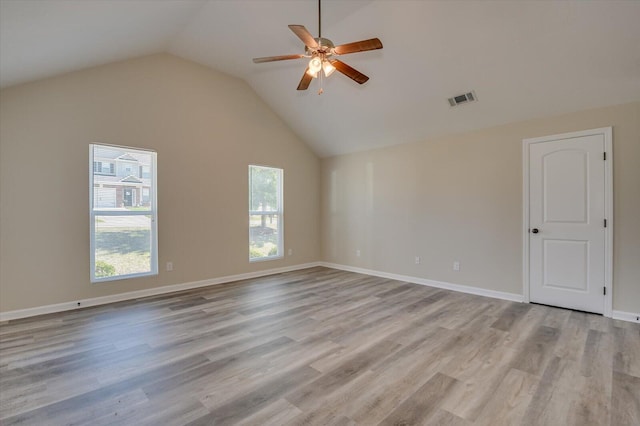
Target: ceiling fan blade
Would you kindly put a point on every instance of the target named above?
(305, 81)
(352, 73)
(305, 36)
(276, 58)
(358, 46)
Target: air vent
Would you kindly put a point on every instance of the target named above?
(463, 99)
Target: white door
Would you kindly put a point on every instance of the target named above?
(567, 235)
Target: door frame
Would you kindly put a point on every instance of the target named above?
(607, 133)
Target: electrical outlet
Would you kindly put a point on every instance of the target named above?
(169, 266)
(357, 253)
(418, 260)
(290, 252)
(456, 265)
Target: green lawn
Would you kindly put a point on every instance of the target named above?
(126, 249)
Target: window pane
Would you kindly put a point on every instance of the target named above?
(264, 236)
(265, 212)
(122, 245)
(121, 178)
(264, 189)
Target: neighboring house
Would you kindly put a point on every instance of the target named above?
(121, 179)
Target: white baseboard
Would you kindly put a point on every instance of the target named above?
(626, 316)
(619, 315)
(68, 306)
(431, 283)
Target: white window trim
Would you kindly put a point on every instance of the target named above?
(98, 212)
(279, 212)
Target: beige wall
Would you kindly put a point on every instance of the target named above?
(460, 198)
(453, 198)
(206, 127)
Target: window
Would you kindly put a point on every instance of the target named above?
(145, 172)
(146, 196)
(265, 213)
(103, 167)
(123, 216)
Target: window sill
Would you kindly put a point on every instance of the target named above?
(122, 277)
(264, 259)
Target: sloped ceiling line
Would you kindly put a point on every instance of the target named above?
(524, 59)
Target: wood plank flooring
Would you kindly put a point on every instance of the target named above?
(319, 347)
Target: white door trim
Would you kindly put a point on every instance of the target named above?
(608, 185)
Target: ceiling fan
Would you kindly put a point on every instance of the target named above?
(321, 52)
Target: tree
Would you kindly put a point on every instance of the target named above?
(264, 190)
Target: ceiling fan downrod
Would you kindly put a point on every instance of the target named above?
(319, 19)
(320, 90)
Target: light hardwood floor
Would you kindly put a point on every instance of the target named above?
(320, 346)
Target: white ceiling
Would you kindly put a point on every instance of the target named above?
(524, 59)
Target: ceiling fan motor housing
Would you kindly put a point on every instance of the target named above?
(325, 49)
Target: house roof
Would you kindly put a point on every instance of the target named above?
(108, 179)
(107, 153)
(127, 157)
(523, 59)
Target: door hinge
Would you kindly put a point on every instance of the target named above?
(604, 291)
(604, 156)
(605, 223)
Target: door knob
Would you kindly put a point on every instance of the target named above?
(535, 230)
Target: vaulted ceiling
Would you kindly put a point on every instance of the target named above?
(523, 59)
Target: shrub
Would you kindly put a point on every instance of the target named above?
(273, 251)
(255, 252)
(103, 269)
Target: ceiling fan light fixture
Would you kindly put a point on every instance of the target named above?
(328, 68)
(315, 65)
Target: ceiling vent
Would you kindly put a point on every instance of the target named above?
(463, 99)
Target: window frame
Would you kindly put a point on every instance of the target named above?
(153, 212)
(279, 213)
